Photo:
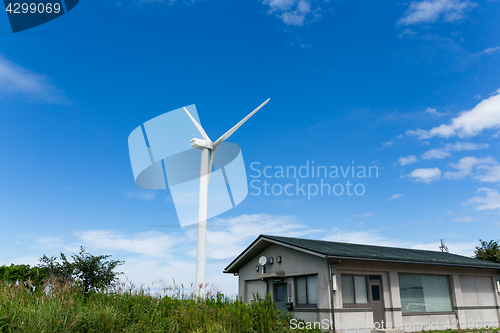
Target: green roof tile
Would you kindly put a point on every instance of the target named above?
(382, 252)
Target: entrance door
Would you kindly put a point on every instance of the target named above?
(376, 299)
(280, 296)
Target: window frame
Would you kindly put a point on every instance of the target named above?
(306, 305)
(450, 290)
(356, 305)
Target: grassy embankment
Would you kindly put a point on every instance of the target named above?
(66, 309)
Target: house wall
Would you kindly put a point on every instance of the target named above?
(475, 300)
(294, 263)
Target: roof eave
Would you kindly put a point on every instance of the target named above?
(234, 264)
(411, 262)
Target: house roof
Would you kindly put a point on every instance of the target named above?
(339, 250)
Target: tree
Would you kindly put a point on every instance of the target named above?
(21, 274)
(489, 251)
(62, 272)
(93, 272)
(88, 271)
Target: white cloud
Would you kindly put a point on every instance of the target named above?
(440, 153)
(152, 243)
(430, 11)
(407, 160)
(490, 201)
(434, 112)
(407, 32)
(463, 219)
(142, 194)
(485, 115)
(396, 196)
(233, 235)
(18, 81)
(425, 175)
(367, 214)
(363, 237)
(292, 12)
(386, 144)
(489, 51)
(460, 146)
(49, 241)
(484, 169)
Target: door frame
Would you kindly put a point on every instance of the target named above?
(285, 294)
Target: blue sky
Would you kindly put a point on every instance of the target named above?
(409, 87)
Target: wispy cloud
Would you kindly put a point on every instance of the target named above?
(440, 153)
(234, 234)
(463, 219)
(431, 11)
(408, 160)
(292, 12)
(142, 194)
(433, 112)
(490, 51)
(485, 115)
(425, 175)
(484, 169)
(18, 81)
(367, 214)
(491, 199)
(152, 243)
(396, 196)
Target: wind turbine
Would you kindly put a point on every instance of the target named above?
(207, 148)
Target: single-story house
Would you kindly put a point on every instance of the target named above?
(369, 286)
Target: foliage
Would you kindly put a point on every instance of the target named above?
(69, 309)
(88, 271)
(94, 272)
(21, 273)
(489, 251)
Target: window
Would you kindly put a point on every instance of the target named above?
(354, 289)
(306, 291)
(424, 293)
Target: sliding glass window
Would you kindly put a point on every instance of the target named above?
(422, 293)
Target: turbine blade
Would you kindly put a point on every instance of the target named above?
(210, 163)
(198, 126)
(235, 127)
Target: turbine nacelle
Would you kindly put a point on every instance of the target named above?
(202, 144)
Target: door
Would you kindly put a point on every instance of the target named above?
(280, 296)
(376, 299)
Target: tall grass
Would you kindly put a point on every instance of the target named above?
(63, 308)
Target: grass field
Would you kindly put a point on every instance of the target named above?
(66, 309)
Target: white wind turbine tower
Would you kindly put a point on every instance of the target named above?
(206, 145)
